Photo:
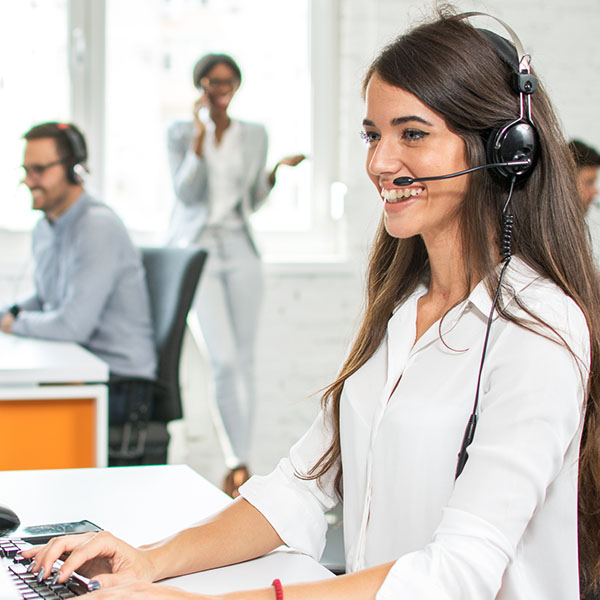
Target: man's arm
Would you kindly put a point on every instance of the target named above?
(8, 314)
(91, 273)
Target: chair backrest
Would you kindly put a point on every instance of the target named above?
(172, 275)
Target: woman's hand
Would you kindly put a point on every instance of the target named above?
(200, 106)
(99, 556)
(290, 161)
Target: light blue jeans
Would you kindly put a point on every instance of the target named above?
(227, 303)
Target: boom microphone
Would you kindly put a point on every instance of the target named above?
(404, 181)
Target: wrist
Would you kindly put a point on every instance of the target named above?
(14, 310)
(278, 589)
(152, 555)
(272, 175)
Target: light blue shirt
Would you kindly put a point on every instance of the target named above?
(91, 289)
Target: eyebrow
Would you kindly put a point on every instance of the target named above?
(400, 121)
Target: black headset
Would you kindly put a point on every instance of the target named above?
(75, 162)
(513, 148)
(511, 152)
(518, 139)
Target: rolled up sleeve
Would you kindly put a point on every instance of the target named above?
(295, 506)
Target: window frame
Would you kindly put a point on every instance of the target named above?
(325, 239)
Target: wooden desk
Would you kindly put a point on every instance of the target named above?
(53, 405)
(142, 505)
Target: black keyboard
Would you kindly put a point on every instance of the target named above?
(27, 584)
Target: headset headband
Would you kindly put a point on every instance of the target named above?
(524, 58)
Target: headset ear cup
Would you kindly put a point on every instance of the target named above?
(77, 173)
(72, 177)
(516, 141)
(78, 152)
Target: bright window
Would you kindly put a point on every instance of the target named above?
(151, 48)
(122, 71)
(34, 87)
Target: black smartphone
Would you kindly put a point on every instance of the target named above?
(40, 534)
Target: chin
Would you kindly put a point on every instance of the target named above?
(399, 231)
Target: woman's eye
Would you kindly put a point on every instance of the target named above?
(413, 135)
(369, 137)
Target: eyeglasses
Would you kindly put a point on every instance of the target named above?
(218, 83)
(37, 171)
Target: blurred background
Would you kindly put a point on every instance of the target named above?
(121, 70)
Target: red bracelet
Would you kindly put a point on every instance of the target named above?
(278, 589)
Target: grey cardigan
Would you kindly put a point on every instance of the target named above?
(190, 180)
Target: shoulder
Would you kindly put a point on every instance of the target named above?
(549, 303)
(545, 298)
(99, 219)
(41, 227)
(253, 129)
(179, 129)
(593, 216)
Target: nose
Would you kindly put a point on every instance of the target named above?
(29, 180)
(385, 159)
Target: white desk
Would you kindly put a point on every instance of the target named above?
(54, 389)
(141, 505)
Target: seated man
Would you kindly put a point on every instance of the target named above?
(587, 161)
(90, 285)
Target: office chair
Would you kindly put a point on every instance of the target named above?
(172, 275)
(333, 557)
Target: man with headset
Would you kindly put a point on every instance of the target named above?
(587, 161)
(90, 284)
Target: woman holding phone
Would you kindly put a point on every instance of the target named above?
(218, 169)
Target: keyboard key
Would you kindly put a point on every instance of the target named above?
(18, 569)
(27, 585)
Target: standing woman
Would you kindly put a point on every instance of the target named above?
(218, 168)
(418, 524)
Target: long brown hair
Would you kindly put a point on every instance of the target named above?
(452, 68)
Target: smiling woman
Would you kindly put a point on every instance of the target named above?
(418, 523)
(218, 167)
(406, 138)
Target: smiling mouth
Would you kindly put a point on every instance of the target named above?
(400, 194)
(224, 99)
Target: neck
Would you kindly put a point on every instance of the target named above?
(220, 118)
(448, 283)
(70, 197)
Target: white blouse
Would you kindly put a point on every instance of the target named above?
(507, 527)
(226, 168)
